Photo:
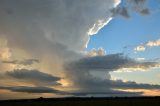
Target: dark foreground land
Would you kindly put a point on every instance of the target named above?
(125, 101)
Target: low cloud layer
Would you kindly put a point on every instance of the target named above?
(119, 84)
(107, 93)
(110, 62)
(27, 89)
(34, 76)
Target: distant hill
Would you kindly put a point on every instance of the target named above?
(81, 101)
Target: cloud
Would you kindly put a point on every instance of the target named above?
(107, 93)
(140, 59)
(97, 52)
(145, 11)
(4, 50)
(122, 11)
(138, 2)
(21, 62)
(80, 72)
(142, 47)
(98, 25)
(53, 31)
(34, 76)
(153, 43)
(43, 20)
(128, 6)
(140, 6)
(27, 89)
(111, 62)
(119, 84)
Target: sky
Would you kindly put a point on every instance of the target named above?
(61, 48)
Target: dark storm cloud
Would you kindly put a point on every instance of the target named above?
(33, 75)
(80, 72)
(138, 6)
(119, 84)
(85, 92)
(27, 23)
(96, 84)
(21, 62)
(111, 62)
(138, 2)
(145, 11)
(122, 11)
(27, 89)
(107, 93)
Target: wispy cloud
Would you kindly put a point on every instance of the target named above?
(21, 62)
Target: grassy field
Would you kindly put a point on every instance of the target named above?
(137, 101)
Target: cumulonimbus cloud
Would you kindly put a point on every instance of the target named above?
(51, 31)
(56, 32)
